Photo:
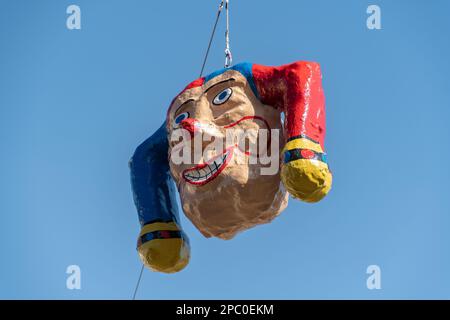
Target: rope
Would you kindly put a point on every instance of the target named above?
(212, 36)
(138, 283)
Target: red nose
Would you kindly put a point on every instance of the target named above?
(190, 125)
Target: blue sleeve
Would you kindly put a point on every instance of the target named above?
(153, 187)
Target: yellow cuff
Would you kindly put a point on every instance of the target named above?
(157, 226)
(302, 143)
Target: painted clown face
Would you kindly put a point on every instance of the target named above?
(224, 185)
(222, 192)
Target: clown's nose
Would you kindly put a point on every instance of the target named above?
(191, 125)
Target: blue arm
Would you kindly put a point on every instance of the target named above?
(153, 187)
(162, 245)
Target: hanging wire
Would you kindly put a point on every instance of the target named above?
(212, 36)
(138, 282)
(228, 61)
(228, 56)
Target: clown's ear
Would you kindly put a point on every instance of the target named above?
(296, 90)
(162, 245)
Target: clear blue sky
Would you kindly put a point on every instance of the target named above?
(75, 104)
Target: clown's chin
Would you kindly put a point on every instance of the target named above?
(231, 201)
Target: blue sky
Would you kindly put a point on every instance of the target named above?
(74, 104)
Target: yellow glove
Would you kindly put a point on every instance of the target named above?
(163, 247)
(304, 171)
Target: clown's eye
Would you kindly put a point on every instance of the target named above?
(223, 96)
(180, 118)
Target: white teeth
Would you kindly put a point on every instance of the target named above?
(195, 174)
(200, 175)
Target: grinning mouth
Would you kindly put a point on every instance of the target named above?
(205, 172)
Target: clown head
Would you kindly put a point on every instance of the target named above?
(225, 193)
(223, 128)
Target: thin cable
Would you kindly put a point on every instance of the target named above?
(211, 38)
(228, 56)
(138, 283)
(201, 73)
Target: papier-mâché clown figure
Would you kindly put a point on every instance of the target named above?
(226, 193)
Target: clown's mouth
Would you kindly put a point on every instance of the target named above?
(205, 172)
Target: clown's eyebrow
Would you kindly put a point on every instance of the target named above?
(187, 101)
(190, 100)
(231, 79)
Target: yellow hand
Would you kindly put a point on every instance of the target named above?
(304, 176)
(168, 250)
